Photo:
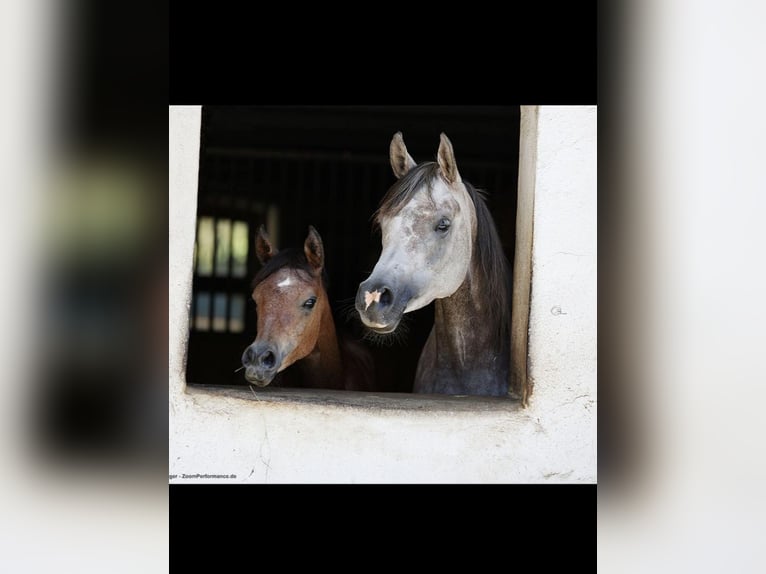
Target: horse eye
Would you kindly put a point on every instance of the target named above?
(443, 225)
(309, 303)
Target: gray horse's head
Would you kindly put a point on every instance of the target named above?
(428, 224)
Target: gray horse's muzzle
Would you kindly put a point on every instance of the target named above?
(380, 306)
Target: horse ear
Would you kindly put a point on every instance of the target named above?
(401, 161)
(263, 248)
(314, 249)
(447, 161)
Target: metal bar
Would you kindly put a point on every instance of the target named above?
(330, 156)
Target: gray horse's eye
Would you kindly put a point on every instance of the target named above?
(309, 303)
(443, 225)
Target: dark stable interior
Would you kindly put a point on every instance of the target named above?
(289, 167)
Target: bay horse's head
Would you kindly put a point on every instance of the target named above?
(289, 293)
(428, 225)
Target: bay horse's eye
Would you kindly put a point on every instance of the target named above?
(443, 225)
(309, 303)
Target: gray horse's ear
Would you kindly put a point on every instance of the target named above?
(264, 250)
(401, 161)
(314, 249)
(447, 162)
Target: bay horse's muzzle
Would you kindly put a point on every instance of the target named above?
(261, 362)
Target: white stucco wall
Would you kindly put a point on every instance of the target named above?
(297, 436)
(562, 333)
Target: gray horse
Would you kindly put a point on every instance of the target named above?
(440, 244)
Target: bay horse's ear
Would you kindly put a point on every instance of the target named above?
(263, 248)
(447, 162)
(314, 249)
(401, 161)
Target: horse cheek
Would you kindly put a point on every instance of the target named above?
(309, 336)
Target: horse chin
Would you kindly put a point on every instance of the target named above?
(260, 380)
(383, 329)
(261, 384)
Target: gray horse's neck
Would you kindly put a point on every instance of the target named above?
(464, 327)
(462, 354)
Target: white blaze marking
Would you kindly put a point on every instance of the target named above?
(370, 297)
(285, 283)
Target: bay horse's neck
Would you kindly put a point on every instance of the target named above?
(322, 367)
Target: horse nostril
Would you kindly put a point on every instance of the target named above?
(386, 298)
(376, 300)
(267, 359)
(248, 357)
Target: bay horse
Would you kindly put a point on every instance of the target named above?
(440, 244)
(296, 327)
